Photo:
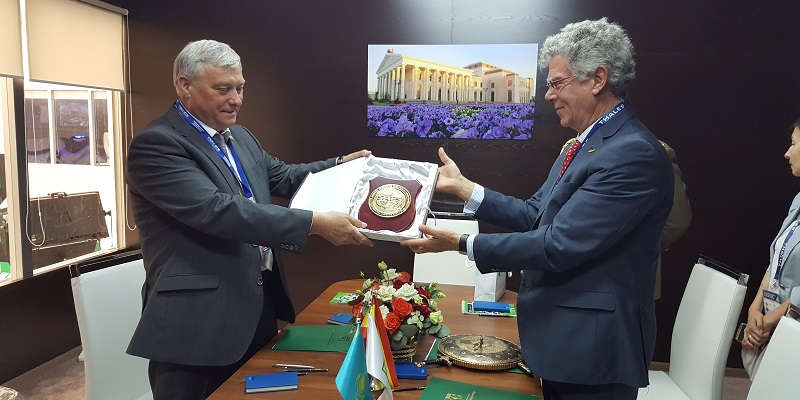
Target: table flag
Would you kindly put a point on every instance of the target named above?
(388, 358)
(379, 365)
(352, 380)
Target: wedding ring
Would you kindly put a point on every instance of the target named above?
(750, 337)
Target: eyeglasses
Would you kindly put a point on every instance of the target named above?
(559, 84)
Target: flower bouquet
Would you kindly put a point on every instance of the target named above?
(407, 310)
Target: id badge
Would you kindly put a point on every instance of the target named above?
(770, 301)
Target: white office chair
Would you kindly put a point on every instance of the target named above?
(447, 267)
(775, 377)
(108, 303)
(702, 335)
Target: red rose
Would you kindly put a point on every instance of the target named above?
(422, 292)
(401, 280)
(423, 308)
(401, 307)
(392, 322)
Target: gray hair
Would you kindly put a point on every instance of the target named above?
(192, 59)
(587, 45)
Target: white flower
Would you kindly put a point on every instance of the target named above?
(385, 293)
(407, 292)
(390, 274)
(436, 317)
(384, 311)
(367, 284)
(415, 318)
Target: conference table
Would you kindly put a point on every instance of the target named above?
(321, 385)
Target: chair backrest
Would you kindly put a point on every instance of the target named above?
(704, 328)
(447, 267)
(108, 304)
(775, 376)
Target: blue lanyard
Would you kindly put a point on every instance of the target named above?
(238, 172)
(779, 269)
(595, 128)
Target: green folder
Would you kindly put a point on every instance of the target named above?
(334, 338)
(443, 389)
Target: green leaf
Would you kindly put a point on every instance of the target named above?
(397, 335)
(443, 332)
(408, 330)
(399, 344)
(434, 328)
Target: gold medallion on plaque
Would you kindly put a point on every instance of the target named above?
(389, 200)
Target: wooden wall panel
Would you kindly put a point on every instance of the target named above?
(717, 82)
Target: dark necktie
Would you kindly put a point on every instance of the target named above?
(570, 153)
(223, 139)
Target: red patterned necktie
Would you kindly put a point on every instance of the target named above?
(570, 153)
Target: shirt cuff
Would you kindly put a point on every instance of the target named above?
(475, 200)
(470, 239)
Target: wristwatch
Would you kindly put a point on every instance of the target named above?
(462, 244)
(339, 160)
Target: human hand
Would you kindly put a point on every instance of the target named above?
(434, 240)
(339, 228)
(450, 179)
(357, 154)
(772, 318)
(755, 334)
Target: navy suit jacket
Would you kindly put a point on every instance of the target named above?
(204, 290)
(587, 247)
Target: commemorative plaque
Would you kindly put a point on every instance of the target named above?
(392, 196)
(390, 204)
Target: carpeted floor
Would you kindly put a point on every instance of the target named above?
(58, 379)
(62, 379)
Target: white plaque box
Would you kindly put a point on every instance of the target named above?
(346, 186)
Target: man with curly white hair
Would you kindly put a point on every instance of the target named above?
(587, 242)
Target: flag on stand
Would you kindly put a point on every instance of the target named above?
(352, 380)
(379, 365)
(387, 347)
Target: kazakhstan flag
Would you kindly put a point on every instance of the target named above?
(352, 379)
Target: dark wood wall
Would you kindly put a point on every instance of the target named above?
(717, 81)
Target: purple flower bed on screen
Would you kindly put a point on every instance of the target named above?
(475, 121)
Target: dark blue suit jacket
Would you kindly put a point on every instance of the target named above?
(204, 290)
(587, 247)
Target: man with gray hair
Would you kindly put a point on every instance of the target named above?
(201, 190)
(587, 242)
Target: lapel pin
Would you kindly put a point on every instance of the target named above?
(591, 150)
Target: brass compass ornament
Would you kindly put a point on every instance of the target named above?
(481, 352)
